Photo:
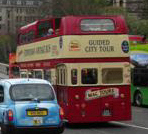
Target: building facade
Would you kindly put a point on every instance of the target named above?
(134, 7)
(16, 13)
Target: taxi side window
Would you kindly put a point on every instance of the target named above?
(1, 94)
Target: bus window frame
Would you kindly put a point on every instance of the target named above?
(37, 70)
(99, 67)
(35, 29)
(52, 25)
(26, 35)
(79, 67)
(52, 75)
(47, 74)
(105, 70)
(82, 73)
(72, 77)
(115, 65)
(60, 75)
(24, 70)
(30, 71)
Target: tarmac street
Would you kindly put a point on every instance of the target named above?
(138, 125)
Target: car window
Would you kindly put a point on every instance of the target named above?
(28, 92)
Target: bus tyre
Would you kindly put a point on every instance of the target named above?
(138, 99)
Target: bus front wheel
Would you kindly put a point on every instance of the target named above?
(138, 99)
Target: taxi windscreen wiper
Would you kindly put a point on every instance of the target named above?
(26, 99)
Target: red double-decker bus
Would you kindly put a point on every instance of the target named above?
(86, 58)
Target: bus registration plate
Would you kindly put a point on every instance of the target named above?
(106, 112)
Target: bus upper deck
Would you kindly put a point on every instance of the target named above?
(75, 25)
(77, 37)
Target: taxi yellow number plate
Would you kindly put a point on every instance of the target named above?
(36, 113)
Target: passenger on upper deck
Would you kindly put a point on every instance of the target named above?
(50, 31)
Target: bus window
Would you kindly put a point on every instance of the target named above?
(112, 75)
(15, 72)
(23, 74)
(61, 76)
(89, 76)
(30, 74)
(47, 75)
(97, 25)
(30, 36)
(74, 76)
(44, 27)
(38, 74)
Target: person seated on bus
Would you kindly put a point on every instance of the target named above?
(50, 32)
(85, 77)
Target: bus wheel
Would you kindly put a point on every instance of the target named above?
(138, 99)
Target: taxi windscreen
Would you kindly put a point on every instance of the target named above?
(30, 92)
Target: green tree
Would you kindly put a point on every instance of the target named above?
(142, 27)
(144, 9)
(98, 7)
(7, 45)
(45, 9)
(60, 8)
(79, 7)
(136, 26)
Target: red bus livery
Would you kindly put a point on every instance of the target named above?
(13, 66)
(86, 58)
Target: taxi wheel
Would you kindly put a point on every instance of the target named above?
(60, 130)
(4, 129)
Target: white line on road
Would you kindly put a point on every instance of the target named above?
(130, 125)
